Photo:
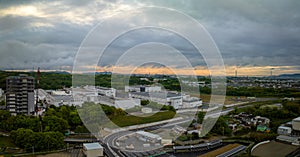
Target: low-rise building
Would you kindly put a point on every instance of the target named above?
(92, 150)
(258, 120)
(143, 89)
(148, 137)
(191, 102)
(263, 128)
(296, 124)
(164, 98)
(283, 130)
(290, 139)
(177, 100)
(110, 92)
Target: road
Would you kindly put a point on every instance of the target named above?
(109, 141)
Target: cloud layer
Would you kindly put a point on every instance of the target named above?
(47, 34)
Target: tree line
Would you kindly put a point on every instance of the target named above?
(42, 132)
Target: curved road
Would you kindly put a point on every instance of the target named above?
(109, 140)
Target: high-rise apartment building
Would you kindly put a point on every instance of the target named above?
(20, 94)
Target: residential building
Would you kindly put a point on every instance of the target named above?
(20, 94)
(263, 128)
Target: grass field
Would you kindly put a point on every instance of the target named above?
(128, 120)
(206, 98)
(220, 150)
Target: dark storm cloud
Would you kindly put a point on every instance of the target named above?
(248, 33)
(249, 30)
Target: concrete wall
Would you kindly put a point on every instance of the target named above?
(31, 103)
(296, 125)
(94, 152)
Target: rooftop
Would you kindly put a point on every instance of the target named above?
(148, 134)
(284, 127)
(20, 76)
(296, 119)
(158, 94)
(91, 146)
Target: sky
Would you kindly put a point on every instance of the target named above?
(253, 37)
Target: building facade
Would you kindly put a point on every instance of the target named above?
(93, 150)
(283, 130)
(20, 94)
(296, 124)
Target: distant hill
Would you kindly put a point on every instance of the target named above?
(58, 72)
(289, 76)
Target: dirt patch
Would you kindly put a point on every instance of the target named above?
(63, 154)
(274, 149)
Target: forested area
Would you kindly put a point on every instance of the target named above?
(51, 80)
(43, 133)
(289, 111)
(38, 132)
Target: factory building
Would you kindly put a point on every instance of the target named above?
(143, 89)
(177, 100)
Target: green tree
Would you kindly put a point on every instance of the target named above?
(41, 141)
(221, 127)
(201, 116)
(53, 123)
(145, 102)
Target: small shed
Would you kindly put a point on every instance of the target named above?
(92, 149)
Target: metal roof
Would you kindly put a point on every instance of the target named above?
(158, 94)
(148, 134)
(296, 119)
(90, 146)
